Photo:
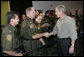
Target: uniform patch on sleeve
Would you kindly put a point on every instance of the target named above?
(9, 37)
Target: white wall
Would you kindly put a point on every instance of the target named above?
(50, 5)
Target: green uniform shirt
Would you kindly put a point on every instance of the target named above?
(38, 27)
(45, 20)
(38, 42)
(28, 28)
(27, 31)
(9, 39)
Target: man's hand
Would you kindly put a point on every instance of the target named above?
(46, 34)
(12, 53)
(43, 43)
(71, 49)
(19, 54)
(46, 24)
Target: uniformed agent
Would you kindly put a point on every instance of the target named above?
(38, 21)
(28, 32)
(40, 41)
(9, 38)
(45, 28)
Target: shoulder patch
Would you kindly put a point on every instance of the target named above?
(9, 37)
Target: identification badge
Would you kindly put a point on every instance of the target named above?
(31, 26)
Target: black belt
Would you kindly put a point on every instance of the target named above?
(29, 39)
(63, 38)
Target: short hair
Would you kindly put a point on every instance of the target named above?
(61, 8)
(28, 10)
(10, 15)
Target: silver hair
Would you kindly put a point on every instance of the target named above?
(28, 10)
(61, 8)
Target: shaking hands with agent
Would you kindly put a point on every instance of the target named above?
(46, 34)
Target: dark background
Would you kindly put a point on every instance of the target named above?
(20, 6)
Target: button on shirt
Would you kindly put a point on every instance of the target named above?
(65, 27)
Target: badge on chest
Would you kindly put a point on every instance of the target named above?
(31, 26)
(39, 27)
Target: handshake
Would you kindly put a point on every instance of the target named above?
(46, 34)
